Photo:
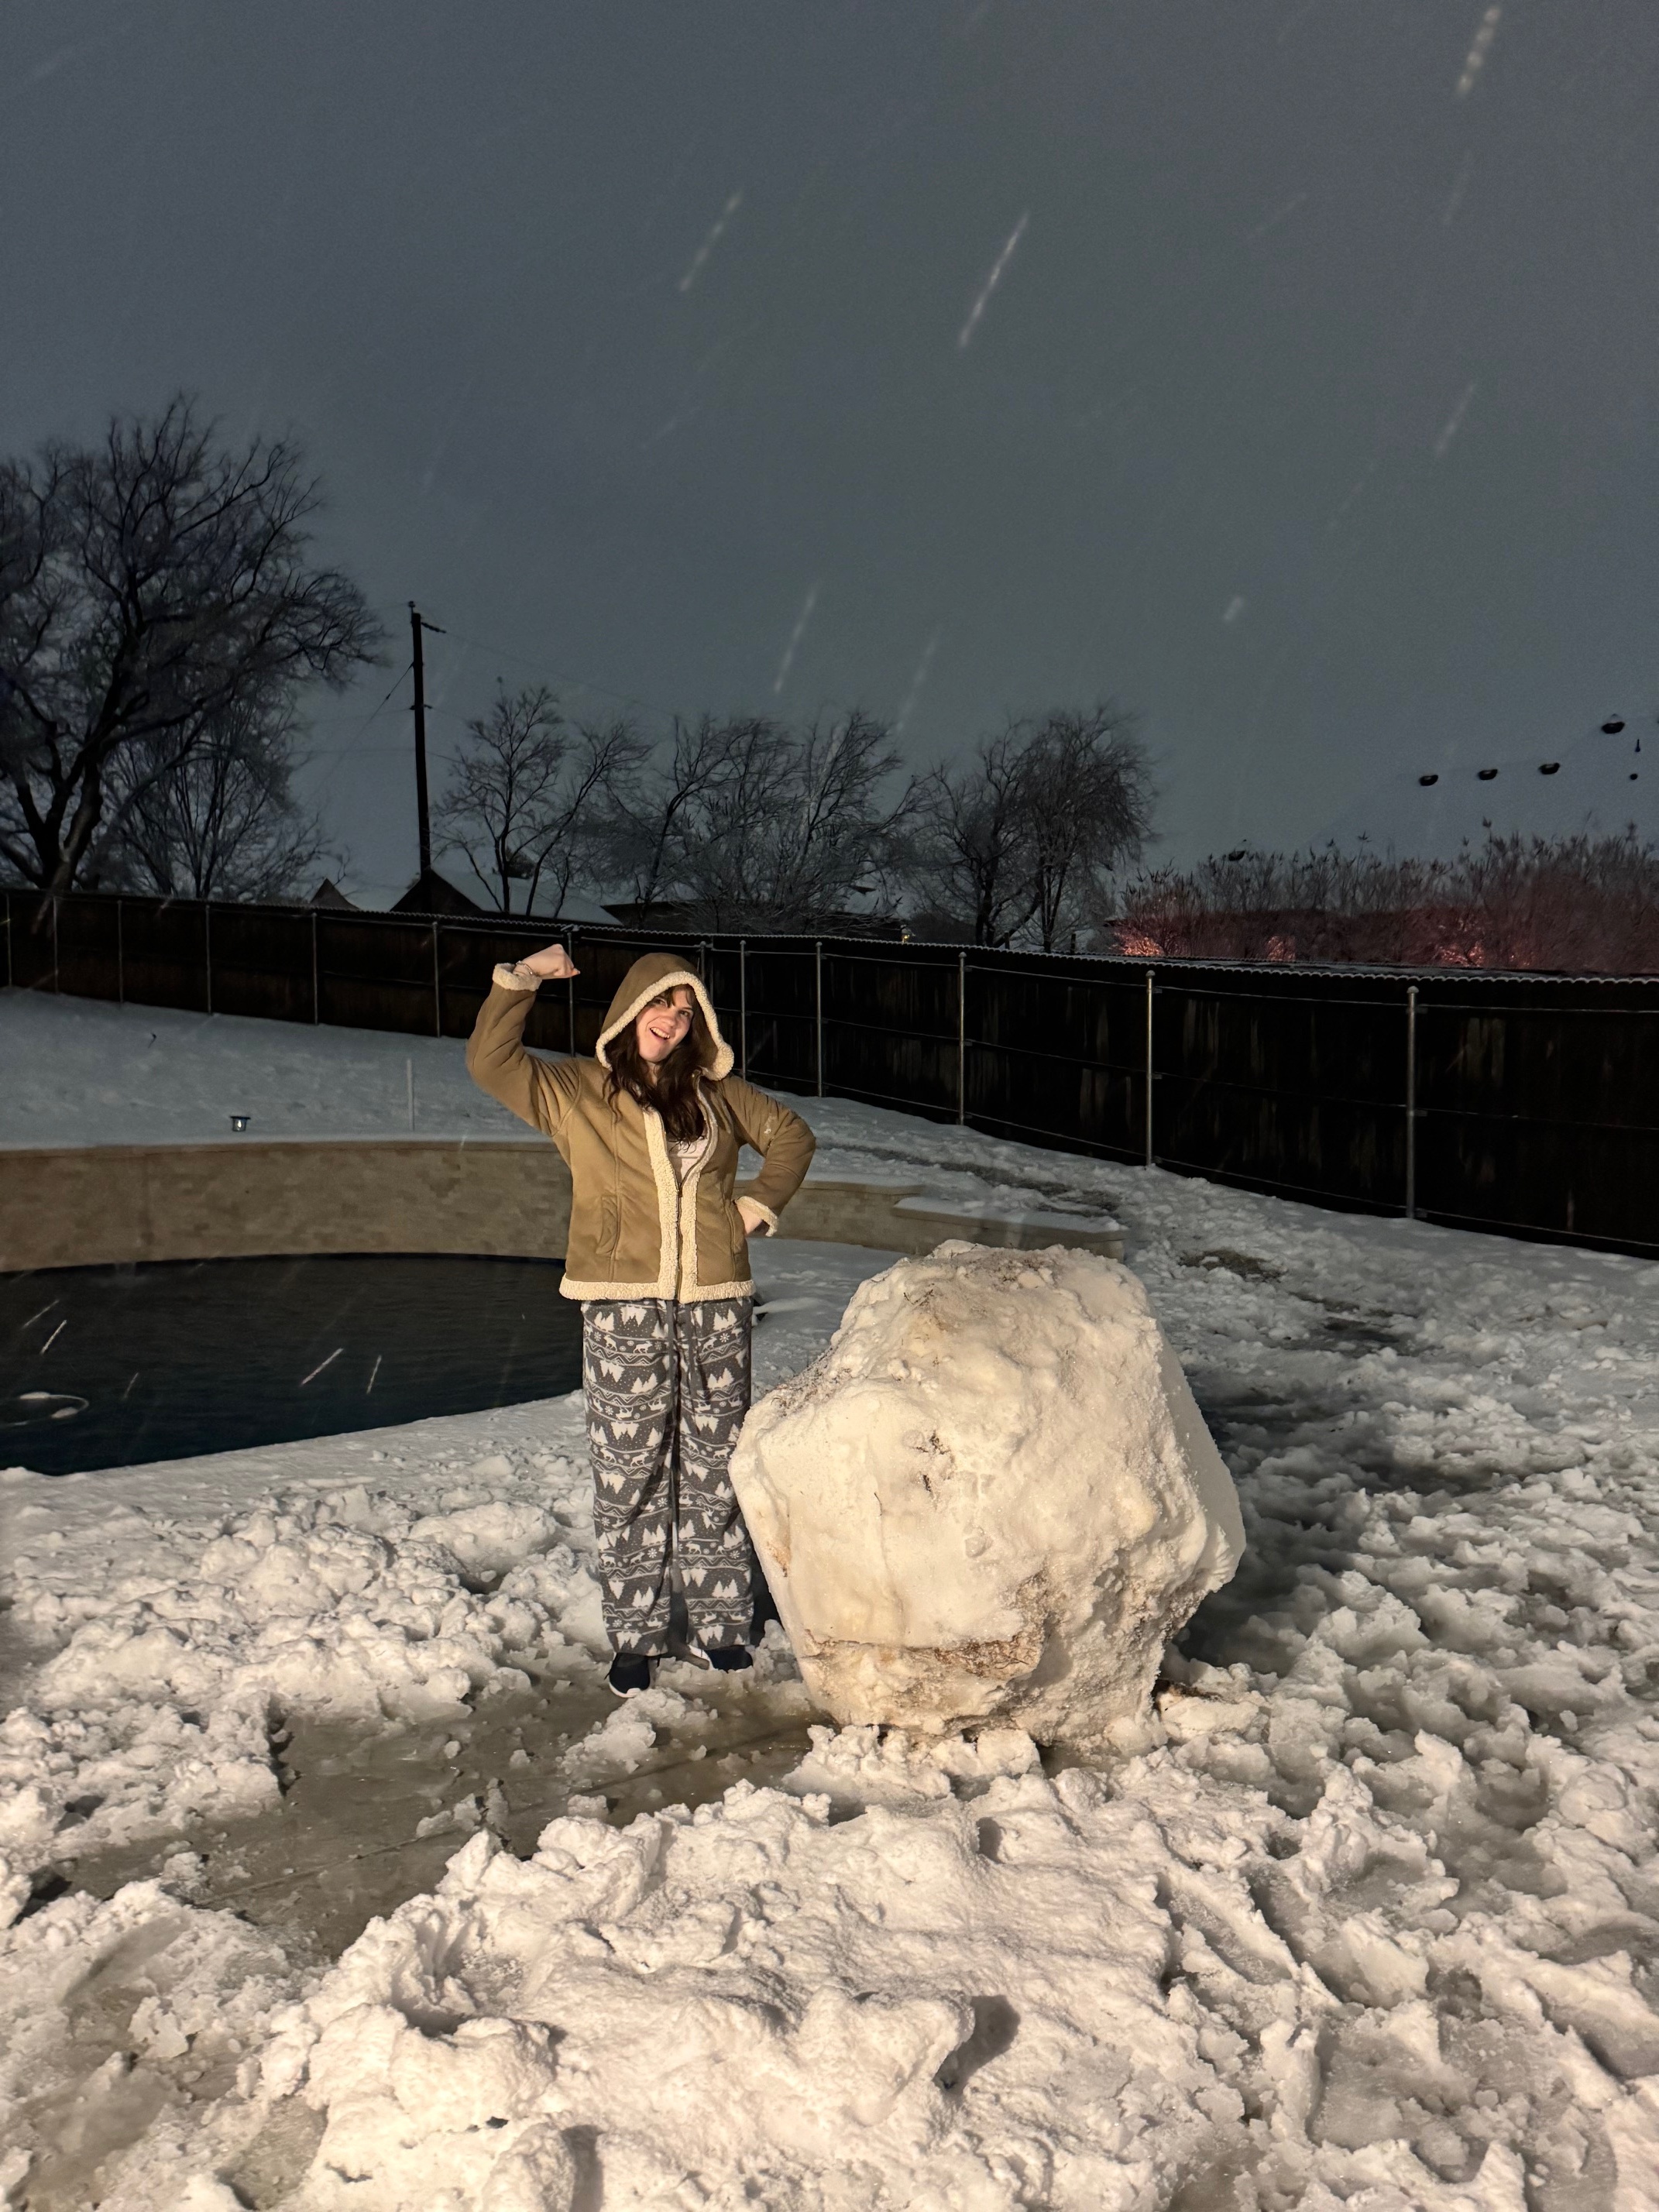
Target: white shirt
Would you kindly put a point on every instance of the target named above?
(689, 1153)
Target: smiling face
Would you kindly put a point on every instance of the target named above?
(663, 1025)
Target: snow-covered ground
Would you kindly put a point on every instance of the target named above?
(79, 1072)
(1369, 1918)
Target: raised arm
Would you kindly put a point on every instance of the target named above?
(496, 1056)
(783, 1141)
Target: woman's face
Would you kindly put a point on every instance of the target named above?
(663, 1025)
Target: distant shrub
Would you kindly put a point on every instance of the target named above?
(1582, 904)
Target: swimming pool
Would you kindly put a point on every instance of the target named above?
(109, 1366)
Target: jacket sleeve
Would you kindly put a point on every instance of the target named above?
(535, 1090)
(783, 1141)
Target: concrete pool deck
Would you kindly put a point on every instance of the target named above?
(109, 1204)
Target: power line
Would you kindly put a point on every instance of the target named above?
(564, 676)
(367, 723)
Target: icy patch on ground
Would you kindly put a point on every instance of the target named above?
(963, 1170)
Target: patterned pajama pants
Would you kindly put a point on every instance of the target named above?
(667, 1388)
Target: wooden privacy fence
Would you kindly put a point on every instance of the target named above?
(1525, 1105)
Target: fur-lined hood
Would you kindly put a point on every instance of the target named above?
(650, 976)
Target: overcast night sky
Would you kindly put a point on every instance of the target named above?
(1285, 368)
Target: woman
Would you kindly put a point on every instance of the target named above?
(658, 1254)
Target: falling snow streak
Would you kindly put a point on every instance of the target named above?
(795, 637)
(1279, 215)
(1476, 61)
(1459, 185)
(916, 683)
(1456, 421)
(1353, 495)
(56, 1333)
(992, 281)
(373, 1372)
(44, 70)
(677, 421)
(321, 1363)
(693, 401)
(716, 233)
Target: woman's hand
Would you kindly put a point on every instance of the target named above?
(753, 1217)
(553, 963)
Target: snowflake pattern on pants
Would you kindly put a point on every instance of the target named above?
(667, 1387)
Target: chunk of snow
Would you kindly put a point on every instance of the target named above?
(993, 1497)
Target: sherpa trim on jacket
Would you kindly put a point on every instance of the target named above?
(636, 1231)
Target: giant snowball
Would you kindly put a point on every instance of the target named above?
(993, 1498)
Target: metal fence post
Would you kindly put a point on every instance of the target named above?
(818, 1007)
(743, 1007)
(437, 989)
(962, 1037)
(56, 984)
(316, 995)
(570, 995)
(1150, 975)
(207, 949)
(120, 959)
(1411, 1102)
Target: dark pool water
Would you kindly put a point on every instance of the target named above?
(107, 1367)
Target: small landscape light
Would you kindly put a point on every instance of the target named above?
(240, 1122)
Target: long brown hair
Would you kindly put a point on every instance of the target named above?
(674, 1094)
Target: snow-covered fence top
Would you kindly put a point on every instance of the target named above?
(1528, 1104)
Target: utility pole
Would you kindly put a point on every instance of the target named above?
(417, 624)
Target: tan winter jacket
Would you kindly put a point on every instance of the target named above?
(634, 1231)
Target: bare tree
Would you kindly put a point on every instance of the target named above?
(727, 831)
(971, 861)
(753, 825)
(844, 839)
(150, 587)
(1019, 842)
(1087, 796)
(650, 837)
(223, 821)
(34, 591)
(531, 798)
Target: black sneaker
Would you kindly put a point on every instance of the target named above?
(730, 1659)
(629, 1671)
